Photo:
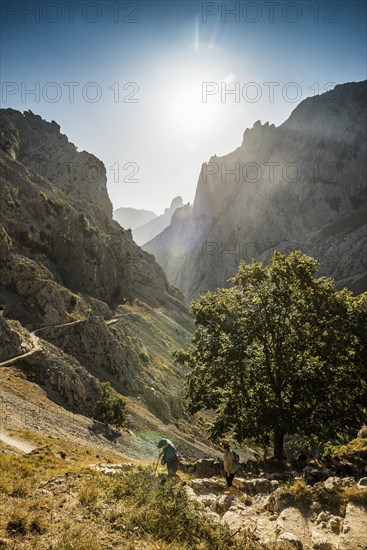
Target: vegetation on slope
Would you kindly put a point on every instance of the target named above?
(280, 353)
(48, 500)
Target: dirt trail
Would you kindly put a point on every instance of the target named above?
(68, 324)
(36, 343)
(36, 347)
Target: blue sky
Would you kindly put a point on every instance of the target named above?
(139, 70)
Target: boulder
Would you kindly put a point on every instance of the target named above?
(291, 539)
(332, 482)
(208, 485)
(354, 532)
(362, 483)
(320, 542)
(223, 503)
(258, 485)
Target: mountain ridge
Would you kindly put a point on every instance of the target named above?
(282, 184)
(131, 218)
(149, 230)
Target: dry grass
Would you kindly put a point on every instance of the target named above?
(79, 537)
(63, 504)
(18, 475)
(334, 500)
(356, 445)
(356, 495)
(89, 493)
(79, 509)
(82, 454)
(291, 494)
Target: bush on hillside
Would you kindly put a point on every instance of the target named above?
(110, 408)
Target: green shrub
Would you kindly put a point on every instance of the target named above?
(24, 236)
(164, 512)
(110, 408)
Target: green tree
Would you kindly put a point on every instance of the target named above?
(110, 407)
(281, 352)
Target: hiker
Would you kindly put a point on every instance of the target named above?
(344, 468)
(327, 461)
(168, 457)
(230, 463)
(301, 461)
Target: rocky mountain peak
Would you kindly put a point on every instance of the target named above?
(45, 150)
(149, 230)
(54, 205)
(280, 188)
(177, 202)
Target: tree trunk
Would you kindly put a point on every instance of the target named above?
(278, 445)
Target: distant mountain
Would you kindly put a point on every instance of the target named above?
(149, 230)
(130, 218)
(299, 186)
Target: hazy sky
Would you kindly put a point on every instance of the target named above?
(142, 85)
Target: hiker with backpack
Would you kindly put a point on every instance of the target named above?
(168, 456)
(231, 460)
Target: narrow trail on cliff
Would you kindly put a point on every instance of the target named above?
(36, 347)
(36, 341)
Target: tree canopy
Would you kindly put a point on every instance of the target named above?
(110, 407)
(280, 352)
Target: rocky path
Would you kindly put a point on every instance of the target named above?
(117, 318)
(69, 324)
(36, 342)
(36, 347)
(80, 321)
(301, 526)
(257, 506)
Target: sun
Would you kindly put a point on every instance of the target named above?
(188, 110)
(185, 79)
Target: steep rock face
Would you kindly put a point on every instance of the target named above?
(279, 186)
(11, 341)
(130, 353)
(55, 208)
(340, 247)
(46, 151)
(99, 350)
(63, 377)
(146, 232)
(65, 269)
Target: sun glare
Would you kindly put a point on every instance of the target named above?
(190, 112)
(190, 109)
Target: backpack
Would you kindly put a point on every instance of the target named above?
(169, 455)
(236, 457)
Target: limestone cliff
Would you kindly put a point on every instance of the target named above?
(55, 209)
(66, 268)
(282, 185)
